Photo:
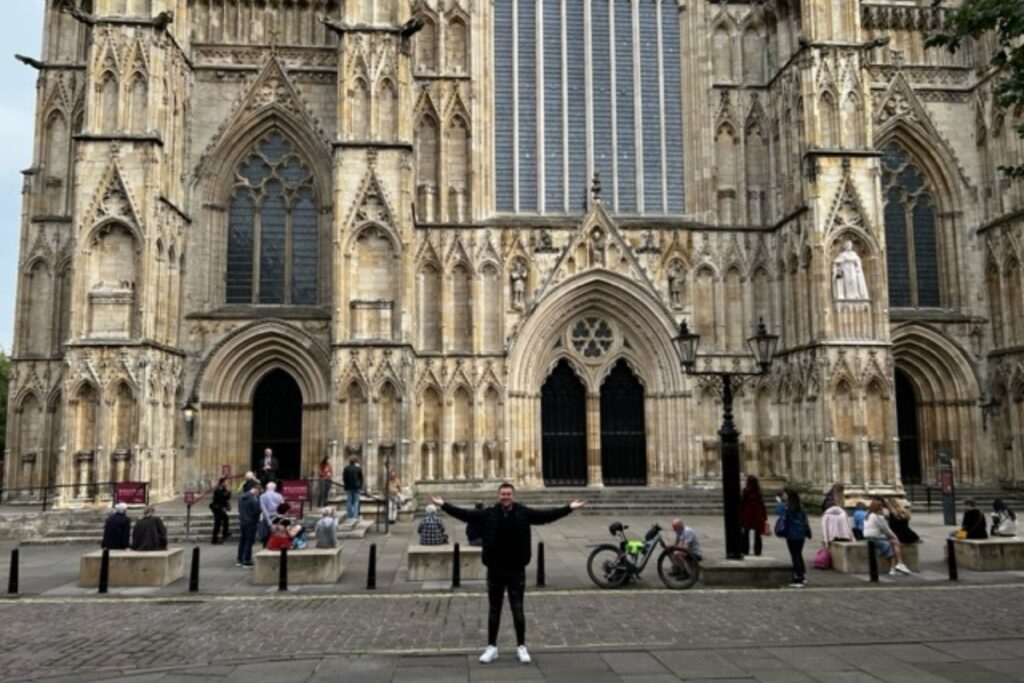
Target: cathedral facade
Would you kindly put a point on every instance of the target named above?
(458, 237)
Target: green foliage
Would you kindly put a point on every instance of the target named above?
(1006, 19)
(5, 373)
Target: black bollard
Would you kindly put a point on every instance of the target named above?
(282, 575)
(104, 570)
(540, 563)
(371, 569)
(12, 578)
(954, 575)
(193, 577)
(872, 562)
(456, 568)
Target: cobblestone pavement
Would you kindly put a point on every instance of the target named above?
(828, 634)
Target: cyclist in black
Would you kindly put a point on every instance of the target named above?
(505, 528)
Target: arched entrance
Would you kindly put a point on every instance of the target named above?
(623, 437)
(277, 423)
(906, 424)
(563, 428)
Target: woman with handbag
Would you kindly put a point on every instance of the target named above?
(796, 530)
(753, 515)
(973, 523)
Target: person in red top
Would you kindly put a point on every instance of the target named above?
(279, 538)
(753, 516)
(324, 473)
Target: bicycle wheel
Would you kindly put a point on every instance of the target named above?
(678, 572)
(606, 566)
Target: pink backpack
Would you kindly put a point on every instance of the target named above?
(822, 560)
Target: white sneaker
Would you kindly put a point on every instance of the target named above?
(489, 655)
(893, 572)
(523, 655)
(903, 568)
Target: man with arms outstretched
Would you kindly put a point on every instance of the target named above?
(505, 528)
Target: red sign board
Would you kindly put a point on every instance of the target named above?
(295, 490)
(225, 470)
(946, 481)
(130, 492)
(190, 497)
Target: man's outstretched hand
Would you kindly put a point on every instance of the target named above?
(437, 500)
(577, 504)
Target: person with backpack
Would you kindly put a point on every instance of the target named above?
(794, 527)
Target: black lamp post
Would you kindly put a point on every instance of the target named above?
(762, 345)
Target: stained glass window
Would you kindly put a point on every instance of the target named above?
(910, 232)
(272, 229)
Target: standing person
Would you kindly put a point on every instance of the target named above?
(149, 532)
(268, 506)
(248, 482)
(878, 534)
(219, 506)
(248, 522)
(505, 528)
(117, 529)
(352, 480)
(753, 515)
(395, 498)
(1004, 520)
(796, 530)
(268, 466)
(324, 473)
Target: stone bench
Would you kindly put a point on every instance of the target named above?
(851, 557)
(989, 554)
(306, 566)
(129, 568)
(434, 562)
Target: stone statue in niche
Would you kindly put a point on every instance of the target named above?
(848, 275)
(675, 285)
(597, 245)
(518, 276)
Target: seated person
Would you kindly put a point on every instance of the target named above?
(431, 528)
(973, 523)
(117, 529)
(835, 525)
(279, 538)
(326, 529)
(879, 535)
(1004, 520)
(899, 522)
(686, 538)
(473, 531)
(296, 532)
(149, 532)
(860, 513)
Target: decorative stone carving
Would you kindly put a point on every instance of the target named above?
(848, 275)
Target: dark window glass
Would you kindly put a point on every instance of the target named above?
(651, 106)
(624, 107)
(274, 200)
(896, 244)
(925, 254)
(527, 21)
(504, 116)
(577, 70)
(601, 70)
(673, 106)
(554, 153)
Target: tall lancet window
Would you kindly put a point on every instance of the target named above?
(272, 228)
(910, 232)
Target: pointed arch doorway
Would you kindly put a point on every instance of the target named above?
(906, 421)
(623, 433)
(563, 401)
(277, 423)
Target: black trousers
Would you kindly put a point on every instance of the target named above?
(500, 581)
(220, 523)
(746, 541)
(796, 554)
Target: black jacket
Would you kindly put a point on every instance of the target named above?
(352, 478)
(490, 520)
(221, 499)
(117, 532)
(149, 534)
(248, 509)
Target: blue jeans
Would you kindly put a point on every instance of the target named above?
(246, 537)
(352, 503)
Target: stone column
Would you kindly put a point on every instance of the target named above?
(594, 476)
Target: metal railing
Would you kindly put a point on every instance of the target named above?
(382, 505)
(45, 495)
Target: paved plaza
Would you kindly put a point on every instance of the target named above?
(841, 628)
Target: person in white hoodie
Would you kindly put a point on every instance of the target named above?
(878, 533)
(1004, 520)
(835, 525)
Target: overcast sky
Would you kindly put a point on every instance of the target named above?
(21, 31)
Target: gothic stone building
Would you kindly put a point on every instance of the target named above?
(462, 245)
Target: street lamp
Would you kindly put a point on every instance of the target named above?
(189, 413)
(762, 345)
